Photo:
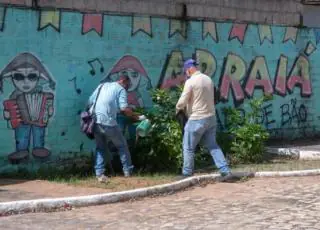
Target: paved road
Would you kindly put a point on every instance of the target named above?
(274, 203)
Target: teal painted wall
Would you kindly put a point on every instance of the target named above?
(244, 61)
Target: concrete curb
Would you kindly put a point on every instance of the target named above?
(294, 153)
(67, 203)
(311, 172)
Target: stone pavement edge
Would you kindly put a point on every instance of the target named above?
(67, 203)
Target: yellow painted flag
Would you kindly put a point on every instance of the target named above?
(177, 26)
(291, 34)
(265, 33)
(49, 18)
(209, 29)
(141, 24)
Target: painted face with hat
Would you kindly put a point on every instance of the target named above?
(25, 79)
(26, 73)
(130, 67)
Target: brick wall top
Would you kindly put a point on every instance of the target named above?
(17, 2)
(285, 12)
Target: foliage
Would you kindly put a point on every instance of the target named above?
(162, 149)
(248, 136)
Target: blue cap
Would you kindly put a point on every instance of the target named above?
(188, 64)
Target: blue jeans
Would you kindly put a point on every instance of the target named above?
(203, 130)
(102, 135)
(23, 136)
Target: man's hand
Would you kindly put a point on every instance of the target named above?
(142, 117)
(129, 113)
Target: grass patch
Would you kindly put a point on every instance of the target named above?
(118, 183)
(81, 177)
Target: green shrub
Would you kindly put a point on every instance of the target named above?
(248, 136)
(162, 149)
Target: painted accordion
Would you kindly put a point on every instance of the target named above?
(29, 109)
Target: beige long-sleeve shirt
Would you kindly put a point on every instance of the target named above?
(197, 97)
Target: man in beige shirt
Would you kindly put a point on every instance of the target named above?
(198, 99)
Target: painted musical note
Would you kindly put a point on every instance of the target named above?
(75, 85)
(81, 146)
(92, 71)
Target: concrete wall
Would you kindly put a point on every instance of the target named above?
(311, 15)
(278, 12)
(69, 53)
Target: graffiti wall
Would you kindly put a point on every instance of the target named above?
(51, 61)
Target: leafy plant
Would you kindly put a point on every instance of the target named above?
(248, 136)
(162, 149)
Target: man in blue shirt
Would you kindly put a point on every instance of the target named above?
(111, 100)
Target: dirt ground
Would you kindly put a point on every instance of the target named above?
(11, 190)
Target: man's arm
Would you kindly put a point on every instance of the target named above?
(124, 107)
(185, 97)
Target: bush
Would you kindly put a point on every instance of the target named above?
(162, 149)
(248, 136)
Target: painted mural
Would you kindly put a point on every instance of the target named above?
(131, 67)
(242, 80)
(29, 106)
(58, 58)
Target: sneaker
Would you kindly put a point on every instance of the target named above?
(102, 179)
(234, 177)
(182, 177)
(127, 174)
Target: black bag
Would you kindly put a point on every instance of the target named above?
(182, 120)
